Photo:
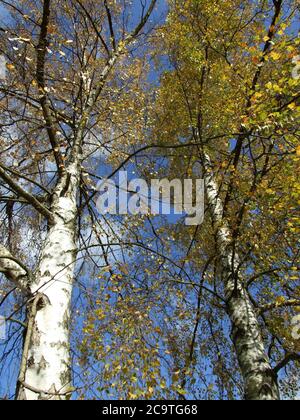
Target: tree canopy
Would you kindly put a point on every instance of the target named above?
(143, 306)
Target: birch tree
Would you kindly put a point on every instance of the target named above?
(57, 112)
(138, 306)
(215, 307)
(230, 64)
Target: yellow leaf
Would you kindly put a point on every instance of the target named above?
(280, 300)
(10, 67)
(275, 55)
(269, 85)
(181, 391)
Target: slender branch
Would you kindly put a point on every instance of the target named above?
(49, 393)
(40, 75)
(19, 175)
(161, 146)
(293, 357)
(103, 78)
(111, 28)
(13, 200)
(16, 321)
(260, 275)
(98, 33)
(24, 194)
(244, 133)
(142, 23)
(277, 305)
(15, 270)
(18, 10)
(123, 45)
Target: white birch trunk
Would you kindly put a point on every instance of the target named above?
(260, 380)
(46, 370)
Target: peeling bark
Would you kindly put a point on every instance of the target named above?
(259, 377)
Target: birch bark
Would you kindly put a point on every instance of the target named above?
(47, 374)
(45, 371)
(13, 270)
(259, 377)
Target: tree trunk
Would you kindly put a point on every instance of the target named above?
(259, 377)
(46, 368)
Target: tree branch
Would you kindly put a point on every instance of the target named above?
(19, 175)
(92, 21)
(293, 357)
(111, 28)
(24, 194)
(15, 270)
(103, 78)
(244, 133)
(40, 75)
(277, 305)
(142, 23)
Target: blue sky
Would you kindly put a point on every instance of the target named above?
(154, 76)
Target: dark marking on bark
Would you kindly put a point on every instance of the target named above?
(66, 320)
(31, 362)
(36, 337)
(43, 302)
(43, 364)
(47, 274)
(66, 186)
